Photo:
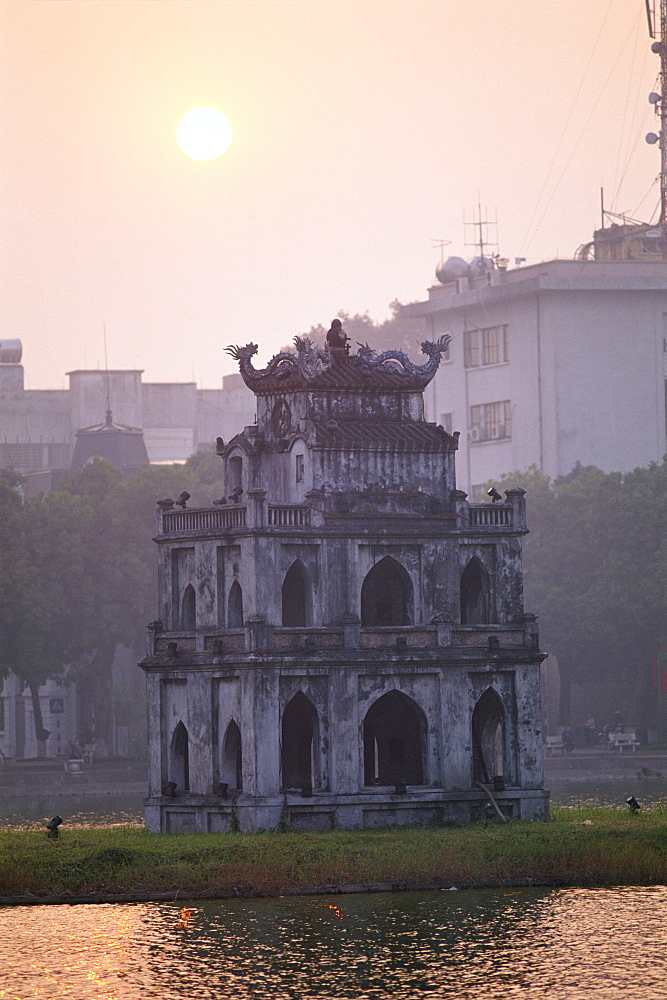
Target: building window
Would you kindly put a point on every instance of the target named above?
(491, 422)
(447, 422)
(475, 594)
(231, 772)
(179, 766)
(299, 468)
(488, 738)
(394, 741)
(300, 744)
(295, 596)
(485, 347)
(235, 606)
(386, 595)
(188, 620)
(235, 470)
(651, 241)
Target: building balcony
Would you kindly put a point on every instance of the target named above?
(257, 636)
(259, 514)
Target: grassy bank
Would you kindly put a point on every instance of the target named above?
(583, 847)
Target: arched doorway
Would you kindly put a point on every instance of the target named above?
(179, 764)
(189, 609)
(394, 741)
(488, 737)
(235, 606)
(386, 594)
(475, 594)
(300, 744)
(231, 771)
(295, 596)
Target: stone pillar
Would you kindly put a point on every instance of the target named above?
(153, 698)
(257, 508)
(200, 735)
(153, 631)
(351, 630)
(257, 634)
(461, 508)
(531, 634)
(443, 629)
(515, 497)
(315, 501)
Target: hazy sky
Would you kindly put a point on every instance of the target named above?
(363, 131)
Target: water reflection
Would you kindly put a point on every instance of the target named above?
(103, 810)
(528, 943)
(31, 811)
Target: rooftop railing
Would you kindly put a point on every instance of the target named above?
(288, 516)
(203, 520)
(490, 516)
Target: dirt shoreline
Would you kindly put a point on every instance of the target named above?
(242, 892)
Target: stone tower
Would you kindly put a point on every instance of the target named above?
(343, 641)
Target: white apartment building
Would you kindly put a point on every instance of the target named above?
(550, 365)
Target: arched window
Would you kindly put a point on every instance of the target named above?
(179, 764)
(235, 606)
(189, 609)
(295, 596)
(488, 737)
(394, 741)
(386, 595)
(231, 770)
(300, 744)
(475, 594)
(235, 472)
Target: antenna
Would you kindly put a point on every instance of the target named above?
(482, 240)
(659, 102)
(440, 245)
(106, 373)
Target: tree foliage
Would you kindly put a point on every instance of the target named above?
(78, 572)
(595, 566)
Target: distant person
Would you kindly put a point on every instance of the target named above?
(568, 739)
(588, 730)
(617, 724)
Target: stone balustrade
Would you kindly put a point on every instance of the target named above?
(256, 635)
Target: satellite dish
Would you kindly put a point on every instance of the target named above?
(451, 269)
(652, 138)
(653, 98)
(480, 266)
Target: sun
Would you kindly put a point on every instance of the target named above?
(204, 133)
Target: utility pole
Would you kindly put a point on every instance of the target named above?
(659, 101)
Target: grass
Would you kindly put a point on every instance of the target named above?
(579, 847)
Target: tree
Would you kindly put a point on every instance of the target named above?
(596, 570)
(78, 574)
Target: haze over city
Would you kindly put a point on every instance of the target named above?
(362, 133)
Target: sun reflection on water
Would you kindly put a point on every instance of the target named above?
(530, 943)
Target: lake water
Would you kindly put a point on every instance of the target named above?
(102, 810)
(529, 944)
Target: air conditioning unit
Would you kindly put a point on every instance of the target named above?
(474, 434)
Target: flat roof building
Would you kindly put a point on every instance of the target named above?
(551, 365)
(39, 427)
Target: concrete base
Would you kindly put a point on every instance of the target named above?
(325, 811)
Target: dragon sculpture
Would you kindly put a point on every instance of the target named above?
(290, 370)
